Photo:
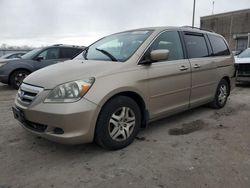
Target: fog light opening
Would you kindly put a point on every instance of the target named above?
(58, 131)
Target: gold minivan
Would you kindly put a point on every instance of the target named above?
(124, 81)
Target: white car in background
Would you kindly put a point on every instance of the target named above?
(242, 62)
(13, 55)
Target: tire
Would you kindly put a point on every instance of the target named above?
(16, 78)
(221, 96)
(118, 123)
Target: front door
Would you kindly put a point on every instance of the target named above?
(48, 57)
(169, 80)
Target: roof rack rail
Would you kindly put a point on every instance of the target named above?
(57, 45)
(187, 26)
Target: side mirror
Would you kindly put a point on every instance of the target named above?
(159, 55)
(39, 58)
(156, 55)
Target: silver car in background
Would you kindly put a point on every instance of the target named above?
(242, 62)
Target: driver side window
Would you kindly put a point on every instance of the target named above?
(168, 40)
(51, 53)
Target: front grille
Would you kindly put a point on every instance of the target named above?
(35, 126)
(27, 93)
(243, 70)
(19, 115)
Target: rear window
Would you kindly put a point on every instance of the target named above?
(219, 46)
(196, 45)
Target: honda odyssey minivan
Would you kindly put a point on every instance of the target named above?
(124, 81)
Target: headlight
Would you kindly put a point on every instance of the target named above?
(70, 92)
(1, 64)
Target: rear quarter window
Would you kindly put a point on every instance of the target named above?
(219, 46)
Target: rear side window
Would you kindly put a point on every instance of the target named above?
(196, 45)
(69, 53)
(218, 45)
(50, 53)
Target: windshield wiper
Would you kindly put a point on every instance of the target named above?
(85, 52)
(107, 54)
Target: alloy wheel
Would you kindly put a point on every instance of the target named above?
(222, 97)
(19, 78)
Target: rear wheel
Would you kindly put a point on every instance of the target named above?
(17, 78)
(118, 123)
(221, 95)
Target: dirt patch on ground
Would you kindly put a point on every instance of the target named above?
(229, 111)
(187, 128)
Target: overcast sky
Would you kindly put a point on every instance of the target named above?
(81, 22)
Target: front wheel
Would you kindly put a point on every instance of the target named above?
(118, 123)
(17, 77)
(221, 95)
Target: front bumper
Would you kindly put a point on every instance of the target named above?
(76, 121)
(243, 78)
(4, 79)
(243, 72)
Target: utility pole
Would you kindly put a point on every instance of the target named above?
(248, 40)
(213, 8)
(193, 13)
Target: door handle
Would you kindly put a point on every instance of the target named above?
(182, 68)
(196, 66)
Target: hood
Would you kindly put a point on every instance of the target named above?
(4, 61)
(51, 76)
(242, 60)
(16, 60)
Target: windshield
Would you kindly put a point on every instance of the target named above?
(117, 47)
(245, 53)
(31, 54)
(5, 56)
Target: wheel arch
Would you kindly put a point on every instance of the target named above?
(17, 69)
(228, 81)
(137, 98)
